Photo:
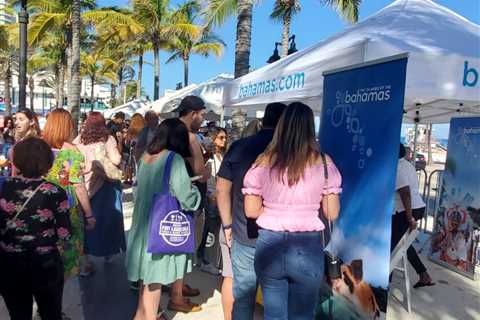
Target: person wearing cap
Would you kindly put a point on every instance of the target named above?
(191, 112)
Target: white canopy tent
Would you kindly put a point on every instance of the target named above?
(210, 91)
(130, 108)
(444, 62)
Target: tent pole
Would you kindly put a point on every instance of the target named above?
(415, 143)
(222, 117)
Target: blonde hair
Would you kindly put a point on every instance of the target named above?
(59, 128)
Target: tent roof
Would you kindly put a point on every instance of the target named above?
(129, 108)
(211, 91)
(438, 41)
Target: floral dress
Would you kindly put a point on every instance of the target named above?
(66, 172)
(43, 222)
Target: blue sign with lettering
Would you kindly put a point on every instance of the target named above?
(360, 130)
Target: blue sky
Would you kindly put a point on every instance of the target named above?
(313, 24)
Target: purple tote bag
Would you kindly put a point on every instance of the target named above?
(170, 229)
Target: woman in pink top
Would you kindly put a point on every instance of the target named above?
(108, 237)
(284, 190)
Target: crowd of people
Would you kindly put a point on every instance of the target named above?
(61, 203)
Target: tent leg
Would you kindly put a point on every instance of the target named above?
(222, 118)
(415, 143)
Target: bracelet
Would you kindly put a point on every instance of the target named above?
(227, 226)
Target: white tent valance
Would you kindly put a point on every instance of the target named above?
(443, 73)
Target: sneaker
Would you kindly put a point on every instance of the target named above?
(209, 268)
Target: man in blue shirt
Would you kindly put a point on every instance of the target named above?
(241, 232)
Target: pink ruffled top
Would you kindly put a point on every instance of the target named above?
(295, 208)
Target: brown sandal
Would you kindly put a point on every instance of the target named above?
(188, 291)
(186, 307)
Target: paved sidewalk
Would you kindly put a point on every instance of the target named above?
(106, 295)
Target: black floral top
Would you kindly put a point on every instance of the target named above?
(44, 221)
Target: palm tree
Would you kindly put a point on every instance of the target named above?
(75, 83)
(96, 67)
(8, 63)
(184, 46)
(217, 12)
(284, 10)
(159, 27)
(66, 16)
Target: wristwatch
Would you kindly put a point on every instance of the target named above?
(227, 226)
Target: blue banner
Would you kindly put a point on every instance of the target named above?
(360, 130)
(456, 232)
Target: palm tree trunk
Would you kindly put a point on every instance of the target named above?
(8, 87)
(185, 72)
(57, 82)
(92, 93)
(287, 19)
(244, 37)
(119, 94)
(74, 65)
(113, 93)
(31, 86)
(156, 76)
(139, 78)
(61, 86)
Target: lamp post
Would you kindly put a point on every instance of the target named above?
(275, 56)
(22, 77)
(292, 49)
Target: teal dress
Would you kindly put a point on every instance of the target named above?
(158, 268)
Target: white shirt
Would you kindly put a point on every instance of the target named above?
(407, 176)
(215, 166)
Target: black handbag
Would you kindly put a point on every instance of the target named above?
(332, 263)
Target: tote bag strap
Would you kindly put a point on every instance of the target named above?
(167, 172)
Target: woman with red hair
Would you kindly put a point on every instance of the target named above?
(99, 149)
(67, 172)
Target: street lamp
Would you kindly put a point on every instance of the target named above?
(22, 78)
(292, 49)
(293, 46)
(275, 56)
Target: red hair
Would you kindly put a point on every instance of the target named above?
(95, 129)
(59, 128)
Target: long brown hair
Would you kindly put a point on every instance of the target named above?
(59, 128)
(137, 123)
(34, 130)
(95, 129)
(293, 147)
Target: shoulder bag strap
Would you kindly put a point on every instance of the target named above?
(325, 174)
(167, 172)
(24, 205)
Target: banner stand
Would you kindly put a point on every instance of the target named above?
(455, 236)
(360, 130)
(400, 254)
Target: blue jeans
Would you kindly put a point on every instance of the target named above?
(289, 267)
(244, 281)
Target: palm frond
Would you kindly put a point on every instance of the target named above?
(347, 9)
(217, 12)
(174, 57)
(42, 23)
(205, 49)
